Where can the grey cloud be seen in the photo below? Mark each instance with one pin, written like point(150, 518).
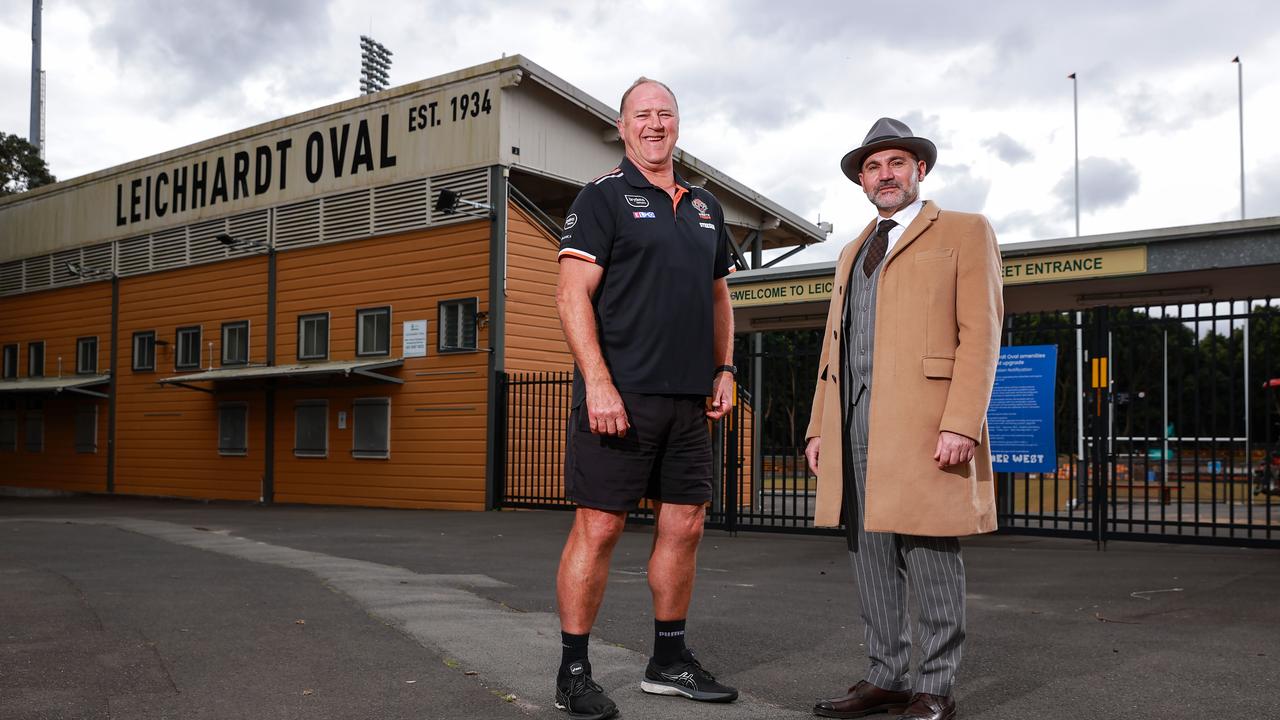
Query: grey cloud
point(1034, 224)
point(740, 93)
point(1030, 61)
point(1104, 183)
point(1148, 109)
point(180, 55)
point(926, 126)
point(1007, 149)
point(1262, 190)
point(958, 188)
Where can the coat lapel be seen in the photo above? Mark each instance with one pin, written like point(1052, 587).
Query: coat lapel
point(924, 219)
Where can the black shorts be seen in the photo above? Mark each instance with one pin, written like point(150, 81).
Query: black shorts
point(665, 455)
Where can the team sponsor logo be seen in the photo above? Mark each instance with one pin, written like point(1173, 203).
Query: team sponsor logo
point(566, 237)
point(637, 200)
point(639, 214)
point(570, 221)
point(699, 205)
point(709, 226)
point(703, 216)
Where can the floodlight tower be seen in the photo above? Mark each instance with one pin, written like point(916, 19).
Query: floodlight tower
point(36, 134)
point(375, 65)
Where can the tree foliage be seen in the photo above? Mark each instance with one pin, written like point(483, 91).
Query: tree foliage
point(21, 167)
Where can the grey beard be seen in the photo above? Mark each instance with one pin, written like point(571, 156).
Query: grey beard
point(909, 195)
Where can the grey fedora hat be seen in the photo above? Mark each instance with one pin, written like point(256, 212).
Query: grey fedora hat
point(888, 133)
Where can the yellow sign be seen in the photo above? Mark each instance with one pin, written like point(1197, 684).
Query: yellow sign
point(780, 292)
point(1017, 271)
point(1071, 266)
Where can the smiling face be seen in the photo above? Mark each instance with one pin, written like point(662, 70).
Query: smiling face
point(891, 179)
point(649, 126)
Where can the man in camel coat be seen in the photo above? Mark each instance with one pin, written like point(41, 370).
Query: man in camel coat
point(905, 460)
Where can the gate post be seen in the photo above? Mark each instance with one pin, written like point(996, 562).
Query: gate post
point(498, 459)
point(1099, 405)
point(732, 459)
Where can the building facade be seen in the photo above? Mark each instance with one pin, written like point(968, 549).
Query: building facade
point(315, 310)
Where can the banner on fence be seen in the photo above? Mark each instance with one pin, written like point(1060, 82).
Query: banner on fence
point(1020, 418)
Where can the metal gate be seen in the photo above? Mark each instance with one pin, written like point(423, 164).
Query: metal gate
point(1163, 427)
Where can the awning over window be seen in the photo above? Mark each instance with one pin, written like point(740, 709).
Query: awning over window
point(319, 372)
point(54, 385)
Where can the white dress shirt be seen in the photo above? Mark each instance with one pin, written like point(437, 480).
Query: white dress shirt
point(903, 217)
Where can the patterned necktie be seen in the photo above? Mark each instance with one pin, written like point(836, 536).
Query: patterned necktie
point(879, 245)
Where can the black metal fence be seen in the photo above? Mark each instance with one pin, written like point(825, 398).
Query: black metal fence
point(1175, 442)
point(1180, 441)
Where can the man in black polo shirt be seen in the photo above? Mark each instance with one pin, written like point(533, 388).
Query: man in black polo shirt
point(645, 310)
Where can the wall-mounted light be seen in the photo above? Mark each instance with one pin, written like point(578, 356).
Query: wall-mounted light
point(88, 273)
point(482, 319)
point(450, 202)
point(234, 242)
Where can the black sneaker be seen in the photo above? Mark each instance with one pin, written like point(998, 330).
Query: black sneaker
point(580, 696)
point(686, 677)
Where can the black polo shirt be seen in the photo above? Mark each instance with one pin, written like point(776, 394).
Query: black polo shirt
point(660, 258)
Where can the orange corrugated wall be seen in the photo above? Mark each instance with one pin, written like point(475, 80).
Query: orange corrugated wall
point(167, 437)
point(58, 317)
point(438, 416)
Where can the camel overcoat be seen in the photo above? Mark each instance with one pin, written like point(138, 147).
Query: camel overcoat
point(939, 308)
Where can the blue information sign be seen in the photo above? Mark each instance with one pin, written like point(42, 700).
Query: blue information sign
point(1020, 419)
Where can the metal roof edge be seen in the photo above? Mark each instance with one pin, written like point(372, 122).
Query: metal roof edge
point(1140, 237)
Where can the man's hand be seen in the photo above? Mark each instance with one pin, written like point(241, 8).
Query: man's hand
point(811, 452)
point(721, 396)
point(953, 449)
point(605, 410)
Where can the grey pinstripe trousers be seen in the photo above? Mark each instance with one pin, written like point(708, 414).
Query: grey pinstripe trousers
point(884, 565)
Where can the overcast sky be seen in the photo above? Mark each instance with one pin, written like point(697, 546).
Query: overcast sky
point(773, 93)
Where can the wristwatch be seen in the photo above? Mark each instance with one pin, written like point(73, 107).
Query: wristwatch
point(731, 369)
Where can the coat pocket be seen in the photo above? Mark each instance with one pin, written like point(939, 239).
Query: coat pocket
point(938, 367)
point(938, 254)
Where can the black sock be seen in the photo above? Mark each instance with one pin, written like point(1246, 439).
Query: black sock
point(572, 649)
point(668, 641)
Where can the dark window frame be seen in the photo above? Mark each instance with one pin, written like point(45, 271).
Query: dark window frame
point(10, 369)
point(231, 451)
point(177, 347)
point(311, 452)
point(144, 334)
point(80, 341)
point(34, 368)
point(361, 313)
point(234, 325)
point(367, 402)
point(302, 340)
point(442, 326)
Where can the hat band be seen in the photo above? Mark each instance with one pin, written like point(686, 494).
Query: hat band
point(886, 137)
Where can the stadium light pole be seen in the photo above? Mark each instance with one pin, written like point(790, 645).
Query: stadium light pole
point(1240, 98)
point(375, 66)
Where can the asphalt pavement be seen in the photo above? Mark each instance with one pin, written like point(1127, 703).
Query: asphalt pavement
point(116, 607)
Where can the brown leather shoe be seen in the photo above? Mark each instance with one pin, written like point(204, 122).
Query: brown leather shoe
point(863, 699)
point(930, 707)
